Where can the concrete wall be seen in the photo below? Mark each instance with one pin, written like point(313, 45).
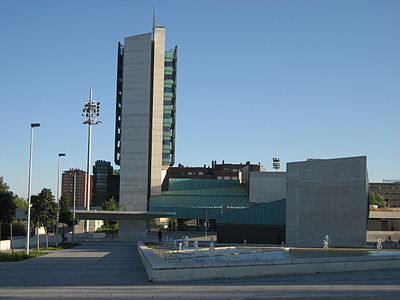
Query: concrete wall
point(158, 110)
point(135, 129)
point(159, 270)
point(19, 242)
point(327, 197)
point(267, 186)
point(373, 236)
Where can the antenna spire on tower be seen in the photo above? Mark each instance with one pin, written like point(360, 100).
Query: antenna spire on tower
point(156, 23)
point(154, 18)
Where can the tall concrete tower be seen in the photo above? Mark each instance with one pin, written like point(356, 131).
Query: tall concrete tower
point(145, 122)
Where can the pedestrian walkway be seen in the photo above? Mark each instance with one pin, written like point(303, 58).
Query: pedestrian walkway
point(110, 269)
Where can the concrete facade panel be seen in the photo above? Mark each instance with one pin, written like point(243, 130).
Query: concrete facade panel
point(158, 102)
point(267, 186)
point(327, 197)
point(135, 129)
point(132, 230)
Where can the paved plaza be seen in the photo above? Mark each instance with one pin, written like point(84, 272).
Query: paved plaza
point(110, 269)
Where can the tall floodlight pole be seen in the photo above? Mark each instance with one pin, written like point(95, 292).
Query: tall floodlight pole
point(276, 162)
point(28, 223)
point(91, 110)
point(58, 192)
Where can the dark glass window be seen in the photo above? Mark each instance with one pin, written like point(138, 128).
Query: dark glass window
point(169, 63)
point(167, 102)
point(168, 89)
point(167, 129)
point(166, 155)
point(168, 77)
point(167, 116)
point(166, 142)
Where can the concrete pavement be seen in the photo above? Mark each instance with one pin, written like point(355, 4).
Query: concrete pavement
point(110, 269)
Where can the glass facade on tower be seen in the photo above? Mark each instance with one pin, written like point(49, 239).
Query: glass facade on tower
point(168, 152)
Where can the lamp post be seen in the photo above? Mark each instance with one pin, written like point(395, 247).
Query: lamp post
point(74, 208)
point(91, 110)
point(28, 224)
point(58, 192)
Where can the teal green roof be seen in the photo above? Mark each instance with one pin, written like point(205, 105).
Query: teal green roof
point(177, 184)
point(236, 191)
point(197, 201)
point(194, 198)
point(271, 213)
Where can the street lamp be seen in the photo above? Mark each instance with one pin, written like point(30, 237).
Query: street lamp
point(74, 208)
point(58, 192)
point(28, 224)
point(91, 110)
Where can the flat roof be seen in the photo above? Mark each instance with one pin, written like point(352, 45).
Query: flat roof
point(120, 215)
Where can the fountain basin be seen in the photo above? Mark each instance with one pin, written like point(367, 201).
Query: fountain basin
point(160, 269)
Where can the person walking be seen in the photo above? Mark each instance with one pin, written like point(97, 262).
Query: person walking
point(159, 235)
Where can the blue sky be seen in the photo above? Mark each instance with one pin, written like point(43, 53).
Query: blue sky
point(305, 79)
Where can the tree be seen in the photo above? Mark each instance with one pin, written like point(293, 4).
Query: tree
point(21, 203)
point(44, 213)
point(3, 186)
point(8, 205)
point(110, 205)
point(66, 217)
point(7, 211)
point(376, 199)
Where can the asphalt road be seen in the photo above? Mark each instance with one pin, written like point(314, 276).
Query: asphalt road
point(110, 269)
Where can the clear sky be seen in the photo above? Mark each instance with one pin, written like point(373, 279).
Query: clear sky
point(306, 79)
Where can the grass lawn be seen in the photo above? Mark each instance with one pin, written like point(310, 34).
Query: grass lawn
point(20, 255)
point(66, 245)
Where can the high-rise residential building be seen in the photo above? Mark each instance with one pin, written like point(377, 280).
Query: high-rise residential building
point(113, 187)
point(102, 172)
point(105, 182)
point(145, 121)
point(74, 182)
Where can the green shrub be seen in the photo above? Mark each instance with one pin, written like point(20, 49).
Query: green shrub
point(20, 255)
point(109, 229)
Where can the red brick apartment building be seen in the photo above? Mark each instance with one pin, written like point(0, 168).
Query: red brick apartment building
point(223, 171)
point(78, 177)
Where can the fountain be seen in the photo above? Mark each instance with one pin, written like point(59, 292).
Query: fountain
point(379, 244)
point(326, 242)
point(185, 242)
point(211, 248)
point(228, 254)
point(196, 245)
point(235, 261)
